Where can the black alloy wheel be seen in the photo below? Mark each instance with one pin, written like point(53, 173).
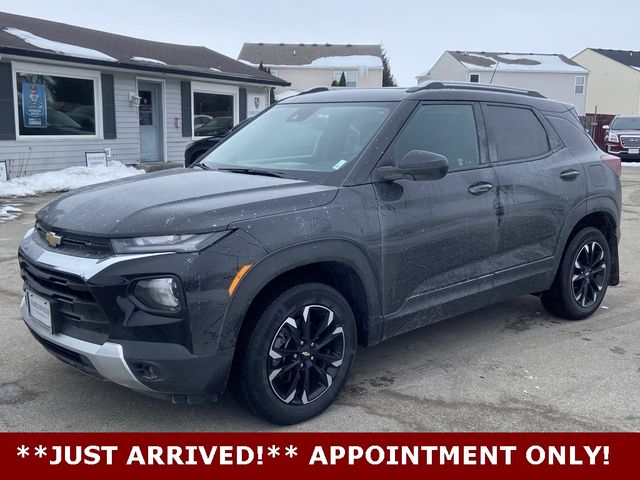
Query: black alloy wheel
point(294, 354)
point(582, 278)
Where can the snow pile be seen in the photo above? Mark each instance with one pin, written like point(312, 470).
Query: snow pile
point(148, 60)
point(58, 47)
point(63, 180)
point(9, 212)
point(349, 61)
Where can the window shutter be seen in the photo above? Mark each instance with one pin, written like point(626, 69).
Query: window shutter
point(7, 118)
point(185, 89)
point(243, 104)
point(108, 106)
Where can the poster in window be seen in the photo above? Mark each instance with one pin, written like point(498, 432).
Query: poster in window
point(255, 104)
point(34, 105)
point(145, 110)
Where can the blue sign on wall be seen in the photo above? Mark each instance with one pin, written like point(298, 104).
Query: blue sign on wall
point(34, 105)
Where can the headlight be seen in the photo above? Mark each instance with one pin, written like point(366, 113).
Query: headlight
point(613, 137)
point(167, 243)
point(158, 293)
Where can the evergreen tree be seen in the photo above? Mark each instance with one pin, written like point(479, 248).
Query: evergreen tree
point(261, 66)
point(387, 76)
point(343, 80)
point(334, 83)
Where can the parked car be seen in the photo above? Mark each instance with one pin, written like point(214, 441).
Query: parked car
point(218, 126)
point(331, 220)
point(623, 137)
point(197, 149)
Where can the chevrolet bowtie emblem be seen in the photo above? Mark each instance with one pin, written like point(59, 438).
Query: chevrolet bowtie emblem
point(53, 239)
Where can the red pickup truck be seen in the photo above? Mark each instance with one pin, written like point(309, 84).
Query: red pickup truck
point(623, 137)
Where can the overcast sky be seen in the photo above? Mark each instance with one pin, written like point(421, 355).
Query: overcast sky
point(414, 33)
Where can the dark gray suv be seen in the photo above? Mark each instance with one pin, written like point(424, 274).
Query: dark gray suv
point(332, 219)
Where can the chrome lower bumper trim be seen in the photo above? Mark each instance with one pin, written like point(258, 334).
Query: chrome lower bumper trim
point(108, 359)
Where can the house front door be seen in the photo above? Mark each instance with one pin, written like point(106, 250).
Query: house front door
point(150, 120)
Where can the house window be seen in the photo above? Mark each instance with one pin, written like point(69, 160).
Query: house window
point(212, 114)
point(56, 105)
point(579, 88)
point(351, 78)
point(474, 78)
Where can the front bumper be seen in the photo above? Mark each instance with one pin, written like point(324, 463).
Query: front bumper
point(178, 357)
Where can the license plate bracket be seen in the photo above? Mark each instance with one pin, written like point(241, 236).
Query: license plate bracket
point(40, 309)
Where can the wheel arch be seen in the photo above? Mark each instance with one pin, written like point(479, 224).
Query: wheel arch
point(339, 263)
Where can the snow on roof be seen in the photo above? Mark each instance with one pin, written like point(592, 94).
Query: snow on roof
point(348, 61)
point(58, 47)
point(148, 60)
point(66, 179)
point(517, 62)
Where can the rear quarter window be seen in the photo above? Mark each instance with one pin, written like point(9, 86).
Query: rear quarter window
point(572, 134)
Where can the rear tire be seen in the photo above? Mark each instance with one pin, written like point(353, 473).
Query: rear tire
point(293, 361)
point(583, 277)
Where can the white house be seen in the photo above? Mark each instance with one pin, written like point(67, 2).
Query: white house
point(614, 80)
point(66, 92)
point(312, 65)
point(554, 76)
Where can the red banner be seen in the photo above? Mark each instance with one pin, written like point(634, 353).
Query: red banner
point(319, 455)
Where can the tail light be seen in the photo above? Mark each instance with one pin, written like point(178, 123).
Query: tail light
point(613, 162)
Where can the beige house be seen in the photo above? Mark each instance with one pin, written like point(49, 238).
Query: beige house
point(614, 81)
point(312, 65)
point(554, 76)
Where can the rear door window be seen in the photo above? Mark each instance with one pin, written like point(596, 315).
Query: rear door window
point(517, 133)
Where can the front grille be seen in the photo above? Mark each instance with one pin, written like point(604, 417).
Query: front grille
point(74, 244)
point(75, 311)
point(630, 142)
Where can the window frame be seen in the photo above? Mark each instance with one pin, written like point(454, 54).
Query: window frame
point(471, 75)
point(581, 85)
point(493, 152)
point(481, 134)
point(215, 89)
point(57, 71)
point(337, 74)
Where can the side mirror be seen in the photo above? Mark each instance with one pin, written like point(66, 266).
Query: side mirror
point(606, 127)
point(415, 165)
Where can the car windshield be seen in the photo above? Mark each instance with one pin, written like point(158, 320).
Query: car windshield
point(626, 123)
point(318, 137)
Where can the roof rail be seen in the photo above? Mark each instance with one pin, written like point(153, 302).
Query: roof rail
point(436, 85)
point(314, 90)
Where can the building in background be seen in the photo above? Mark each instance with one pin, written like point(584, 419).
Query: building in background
point(312, 65)
point(554, 76)
point(614, 80)
point(67, 91)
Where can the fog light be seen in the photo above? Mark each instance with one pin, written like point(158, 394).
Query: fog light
point(158, 293)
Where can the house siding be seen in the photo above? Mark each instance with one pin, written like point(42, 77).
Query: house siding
point(29, 156)
point(176, 143)
point(614, 88)
point(304, 78)
point(446, 68)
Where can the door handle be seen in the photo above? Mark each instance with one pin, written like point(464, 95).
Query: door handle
point(569, 175)
point(480, 188)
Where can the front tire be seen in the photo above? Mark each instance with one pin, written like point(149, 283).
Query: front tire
point(295, 360)
point(583, 277)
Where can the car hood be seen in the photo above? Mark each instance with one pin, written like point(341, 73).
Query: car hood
point(626, 132)
point(178, 201)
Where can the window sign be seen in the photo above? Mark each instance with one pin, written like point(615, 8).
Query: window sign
point(34, 105)
point(255, 104)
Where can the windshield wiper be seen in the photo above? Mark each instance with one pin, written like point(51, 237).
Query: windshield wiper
point(203, 166)
point(253, 171)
